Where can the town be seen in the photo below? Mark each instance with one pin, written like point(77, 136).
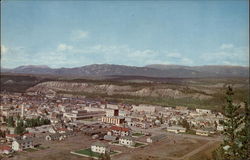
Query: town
point(33, 121)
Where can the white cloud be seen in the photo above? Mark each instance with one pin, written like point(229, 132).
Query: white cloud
point(64, 47)
point(177, 58)
point(79, 34)
point(226, 46)
point(227, 55)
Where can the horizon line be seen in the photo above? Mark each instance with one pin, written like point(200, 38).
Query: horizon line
point(47, 66)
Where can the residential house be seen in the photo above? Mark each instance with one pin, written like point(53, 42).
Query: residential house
point(155, 138)
point(55, 137)
point(119, 131)
point(12, 137)
point(127, 141)
point(5, 149)
point(220, 128)
point(19, 145)
point(100, 148)
point(109, 138)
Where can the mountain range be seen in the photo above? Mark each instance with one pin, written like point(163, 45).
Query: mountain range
point(154, 70)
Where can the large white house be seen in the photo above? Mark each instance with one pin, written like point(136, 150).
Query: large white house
point(127, 141)
point(100, 148)
point(19, 145)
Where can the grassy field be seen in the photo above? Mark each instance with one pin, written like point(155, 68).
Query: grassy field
point(90, 153)
point(137, 134)
point(137, 144)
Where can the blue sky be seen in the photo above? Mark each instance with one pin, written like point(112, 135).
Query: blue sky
point(138, 33)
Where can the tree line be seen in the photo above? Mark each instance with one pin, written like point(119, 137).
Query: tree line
point(21, 124)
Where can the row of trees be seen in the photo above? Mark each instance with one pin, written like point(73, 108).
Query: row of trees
point(33, 122)
point(236, 145)
point(22, 124)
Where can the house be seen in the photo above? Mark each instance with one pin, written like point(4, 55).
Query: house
point(28, 135)
point(155, 138)
point(119, 131)
point(55, 137)
point(52, 130)
point(176, 129)
point(21, 144)
point(100, 148)
point(220, 128)
point(5, 149)
point(62, 130)
point(109, 138)
point(127, 141)
point(203, 111)
point(12, 137)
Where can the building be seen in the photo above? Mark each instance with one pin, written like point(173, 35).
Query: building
point(176, 129)
point(82, 114)
point(112, 112)
point(109, 138)
point(100, 148)
point(202, 133)
point(127, 141)
point(19, 145)
point(114, 120)
point(155, 138)
point(12, 137)
point(144, 108)
point(119, 131)
point(55, 137)
point(220, 128)
point(203, 111)
point(5, 149)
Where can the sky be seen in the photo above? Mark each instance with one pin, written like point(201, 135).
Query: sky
point(138, 33)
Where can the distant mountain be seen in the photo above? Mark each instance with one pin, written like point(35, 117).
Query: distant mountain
point(100, 70)
point(208, 70)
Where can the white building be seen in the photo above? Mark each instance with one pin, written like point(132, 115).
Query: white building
point(176, 129)
point(203, 111)
point(144, 108)
point(119, 131)
point(100, 148)
point(155, 138)
point(220, 128)
point(127, 141)
point(19, 145)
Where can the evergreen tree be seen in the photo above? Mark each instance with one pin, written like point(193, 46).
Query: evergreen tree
point(11, 122)
point(232, 127)
point(19, 129)
point(245, 135)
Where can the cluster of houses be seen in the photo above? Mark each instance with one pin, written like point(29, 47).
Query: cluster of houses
point(109, 121)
